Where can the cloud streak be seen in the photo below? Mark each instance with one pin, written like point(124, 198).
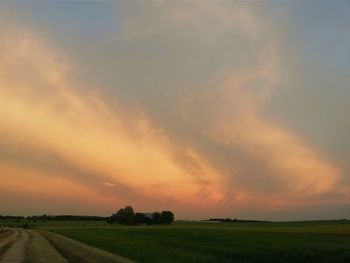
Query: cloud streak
point(182, 126)
point(41, 109)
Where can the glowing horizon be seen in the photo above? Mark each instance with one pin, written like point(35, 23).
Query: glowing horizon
point(205, 109)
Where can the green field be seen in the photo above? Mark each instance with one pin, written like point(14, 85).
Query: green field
point(323, 241)
point(317, 241)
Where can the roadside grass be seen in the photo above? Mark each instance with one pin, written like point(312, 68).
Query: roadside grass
point(78, 252)
point(217, 242)
point(39, 250)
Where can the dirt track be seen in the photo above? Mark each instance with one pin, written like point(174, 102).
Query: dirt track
point(6, 238)
point(15, 252)
point(18, 246)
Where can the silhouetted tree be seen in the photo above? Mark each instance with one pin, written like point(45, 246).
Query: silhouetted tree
point(127, 216)
point(124, 216)
point(139, 218)
point(166, 217)
point(112, 219)
point(156, 218)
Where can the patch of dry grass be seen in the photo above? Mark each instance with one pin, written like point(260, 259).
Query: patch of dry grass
point(78, 252)
point(40, 250)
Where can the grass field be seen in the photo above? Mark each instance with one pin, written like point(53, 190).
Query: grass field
point(316, 241)
point(323, 241)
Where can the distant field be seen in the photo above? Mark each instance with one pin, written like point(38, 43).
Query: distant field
point(50, 223)
point(324, 241)
point(318, 241)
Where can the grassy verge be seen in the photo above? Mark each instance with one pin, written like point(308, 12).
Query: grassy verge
point(81, 253)
point(39, 250)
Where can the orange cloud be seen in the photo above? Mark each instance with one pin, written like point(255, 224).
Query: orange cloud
point(40, 107)
point(28, 182)
point(44, 108)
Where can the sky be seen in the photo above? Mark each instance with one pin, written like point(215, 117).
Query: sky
point(207, 109)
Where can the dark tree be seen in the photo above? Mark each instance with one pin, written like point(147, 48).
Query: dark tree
point(127, 216)
point(156, 218)
point(166, 217)
point(124, 216)
point(139, 218)
point(112, 219)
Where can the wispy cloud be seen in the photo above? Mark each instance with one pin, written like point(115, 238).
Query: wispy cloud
point(42, 109)
point(108, 184)
point(183, 125)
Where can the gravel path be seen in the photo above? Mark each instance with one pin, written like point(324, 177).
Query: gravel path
point(16, 254)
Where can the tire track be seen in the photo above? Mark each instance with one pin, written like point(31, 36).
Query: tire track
point(6, 240)
point(16, 252)
point(40, 250)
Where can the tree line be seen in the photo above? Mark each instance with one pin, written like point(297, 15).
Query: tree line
point(57, 217)
point(127, 216)
point(229, 220)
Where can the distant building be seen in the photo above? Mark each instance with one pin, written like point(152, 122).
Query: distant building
point(148, 215)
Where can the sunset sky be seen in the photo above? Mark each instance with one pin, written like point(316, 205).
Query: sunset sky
point(208, 109)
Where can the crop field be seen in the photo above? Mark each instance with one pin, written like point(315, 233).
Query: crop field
point(323, 241)
point(317, 241)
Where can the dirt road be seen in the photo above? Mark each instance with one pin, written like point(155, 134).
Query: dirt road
point(15, 245)
point(7, 236)
point(18, 245)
